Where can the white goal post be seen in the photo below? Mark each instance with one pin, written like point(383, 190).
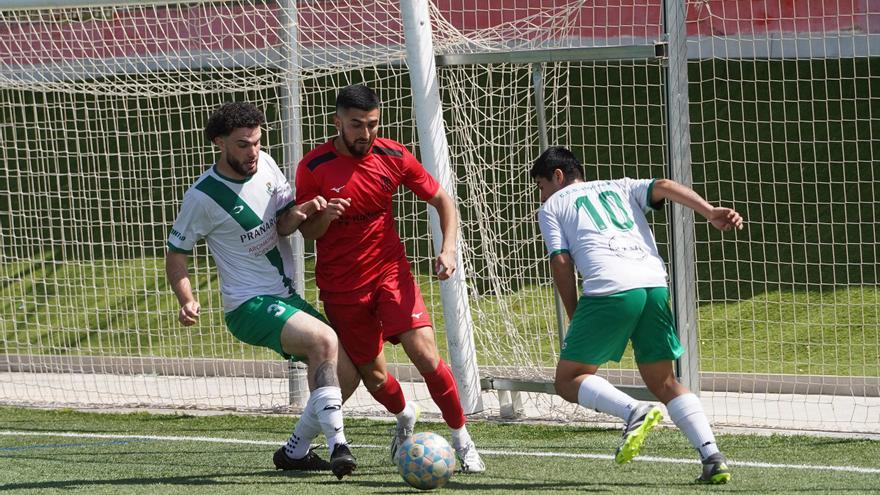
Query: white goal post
point(102, 103)
point(435, 156)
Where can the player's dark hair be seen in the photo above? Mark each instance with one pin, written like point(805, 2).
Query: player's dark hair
point(357, 96)
point(233, 115)
point(557, 157)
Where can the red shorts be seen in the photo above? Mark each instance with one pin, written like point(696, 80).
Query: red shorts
point(364, 321)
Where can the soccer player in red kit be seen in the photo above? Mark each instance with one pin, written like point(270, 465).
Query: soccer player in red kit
point(368, 290)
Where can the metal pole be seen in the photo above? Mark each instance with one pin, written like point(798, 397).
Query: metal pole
point(291, 132)
point(435, 157)
point(682, 218)
point(538, 85)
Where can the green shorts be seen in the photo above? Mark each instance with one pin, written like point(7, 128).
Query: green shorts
point(602, 325)
point(260, 319)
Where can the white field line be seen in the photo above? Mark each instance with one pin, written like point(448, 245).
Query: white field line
point(667, 460)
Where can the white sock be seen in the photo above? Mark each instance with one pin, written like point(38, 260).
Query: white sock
point(327, 404)
point(406, 417)
point(686, 411)
point(306, 429)
point(461, 437)
point(596, 393)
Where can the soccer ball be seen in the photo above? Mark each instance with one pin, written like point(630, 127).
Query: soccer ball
point(426, 461)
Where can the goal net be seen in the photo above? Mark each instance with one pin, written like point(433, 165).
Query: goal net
point(101, 116)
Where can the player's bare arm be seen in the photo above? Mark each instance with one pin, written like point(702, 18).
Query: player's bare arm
point(178, 276)
point(562, 269)
point(724, 219)
point(291, 219)
point(316, 225)
point(444, 264)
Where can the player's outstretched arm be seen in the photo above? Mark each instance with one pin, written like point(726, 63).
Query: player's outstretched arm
point(444, 264)
point(178, 277)
point(721, 218)
point(293, 217)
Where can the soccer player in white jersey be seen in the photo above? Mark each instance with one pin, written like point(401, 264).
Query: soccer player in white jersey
point(600, 228)
point(240, 206)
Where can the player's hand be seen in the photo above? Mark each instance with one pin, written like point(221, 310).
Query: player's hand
point(725, 219)
point(444, 265)
point(189, 313)
point(336, 207)
point(309, 208)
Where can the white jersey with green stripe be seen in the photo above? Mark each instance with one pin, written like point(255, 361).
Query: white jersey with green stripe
point(602, 226)
point(237, 220)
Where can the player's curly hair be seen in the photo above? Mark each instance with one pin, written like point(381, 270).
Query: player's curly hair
point(233, 115)
point(357, 96)
point(557, 157)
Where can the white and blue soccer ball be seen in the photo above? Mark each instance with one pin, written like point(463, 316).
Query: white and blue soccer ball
point(426, 461)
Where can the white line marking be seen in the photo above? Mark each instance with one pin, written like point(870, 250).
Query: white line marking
point(667, 460)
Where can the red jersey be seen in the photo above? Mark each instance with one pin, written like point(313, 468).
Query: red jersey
point(359, 245)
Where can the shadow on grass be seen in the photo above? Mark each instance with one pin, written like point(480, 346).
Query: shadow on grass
point(513, 486)
point(214, 479)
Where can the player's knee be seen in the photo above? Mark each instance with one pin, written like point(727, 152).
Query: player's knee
point(426, 360)
point(324, 344)
point(374, 379)
point(565, 374)
point(423, 354)
point(566, 388)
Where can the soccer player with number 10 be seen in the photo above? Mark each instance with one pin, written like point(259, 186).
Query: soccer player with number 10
point(600, 228)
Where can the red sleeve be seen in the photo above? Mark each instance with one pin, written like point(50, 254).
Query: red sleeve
point(306, 187)
point(417, 179)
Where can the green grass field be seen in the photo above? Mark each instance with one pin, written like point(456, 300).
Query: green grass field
point(103, 453)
